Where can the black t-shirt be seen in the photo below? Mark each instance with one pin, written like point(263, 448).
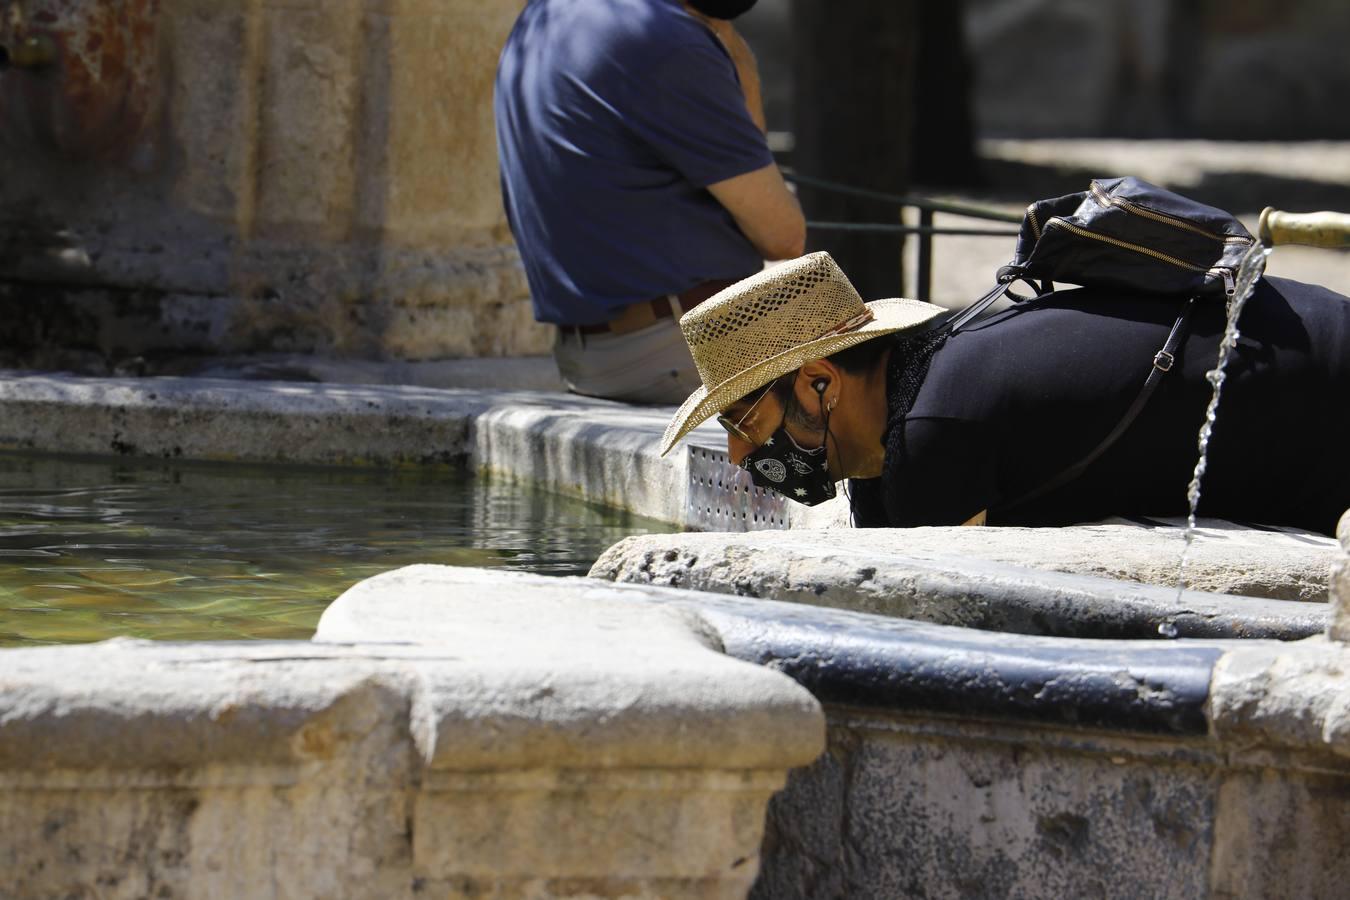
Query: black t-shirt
point(1013, 400)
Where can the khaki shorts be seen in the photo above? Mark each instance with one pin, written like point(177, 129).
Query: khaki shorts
point(650, 365)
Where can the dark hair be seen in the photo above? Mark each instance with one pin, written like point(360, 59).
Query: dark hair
point(854, 360)
point(861, 357)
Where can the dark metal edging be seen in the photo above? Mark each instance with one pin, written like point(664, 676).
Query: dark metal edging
point(899, 665)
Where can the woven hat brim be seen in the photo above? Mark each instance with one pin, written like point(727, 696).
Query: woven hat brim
point(889, 316)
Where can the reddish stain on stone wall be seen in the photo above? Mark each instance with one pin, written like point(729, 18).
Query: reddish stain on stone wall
point(102, 93)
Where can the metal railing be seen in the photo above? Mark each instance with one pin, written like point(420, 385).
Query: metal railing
point(925, 230)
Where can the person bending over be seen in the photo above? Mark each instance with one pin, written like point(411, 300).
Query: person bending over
point(814, 386)
point(637, 180)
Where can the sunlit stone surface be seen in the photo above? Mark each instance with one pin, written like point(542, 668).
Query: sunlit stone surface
point(1340, 584)
point(1113, 580)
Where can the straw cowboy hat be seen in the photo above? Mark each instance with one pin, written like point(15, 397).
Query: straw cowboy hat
point(774, 322)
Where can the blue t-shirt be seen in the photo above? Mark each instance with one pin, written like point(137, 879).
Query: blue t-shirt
point(613, 117)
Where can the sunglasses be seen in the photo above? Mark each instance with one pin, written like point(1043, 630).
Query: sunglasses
point(734, 428)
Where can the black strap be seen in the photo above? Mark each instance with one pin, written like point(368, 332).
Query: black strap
point(1007, 278)
point(957, 322)
point(1163, 361)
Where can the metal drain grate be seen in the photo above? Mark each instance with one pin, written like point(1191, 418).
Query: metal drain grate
point(723, 498)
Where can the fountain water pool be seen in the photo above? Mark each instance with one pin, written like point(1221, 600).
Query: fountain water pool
point(99, 548)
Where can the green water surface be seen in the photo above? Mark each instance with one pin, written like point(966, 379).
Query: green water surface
point(93, 549)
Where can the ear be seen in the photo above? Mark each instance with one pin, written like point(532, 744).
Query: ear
point(817, 381)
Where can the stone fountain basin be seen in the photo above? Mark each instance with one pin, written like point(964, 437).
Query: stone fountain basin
point(1113, 580)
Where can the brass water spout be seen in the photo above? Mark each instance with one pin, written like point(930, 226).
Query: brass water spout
point(31, 53)
point(1329, 230)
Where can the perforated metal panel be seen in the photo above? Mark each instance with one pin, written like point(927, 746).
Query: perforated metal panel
point(723, 498)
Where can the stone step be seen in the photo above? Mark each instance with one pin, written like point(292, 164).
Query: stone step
point(1102, 581)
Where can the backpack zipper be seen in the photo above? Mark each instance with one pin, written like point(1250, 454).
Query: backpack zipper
point(1035, 226)
point(1102, 197)
point(1147, 251)
point(1222, 271)
point(1229, 285)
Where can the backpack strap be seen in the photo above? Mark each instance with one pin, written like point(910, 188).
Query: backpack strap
point(957, 322)
point(1007, 277)
point(1163, 361)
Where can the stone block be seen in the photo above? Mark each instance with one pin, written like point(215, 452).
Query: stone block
point(474, 734)
point(458, 732)
point(309, 79)
point(132, 769)
point(1340, 584)
point(1285, 698)
point(592, 448)
point(597, 449)
point(1089, 581)
point(1285, 712)
point(1225, 558)
point(664, 697)
point(213, 107)
point(1280, 835)
point(903, 807)
point(340, 116)
point(229, 419)
point(488, 829)
point(441, 60)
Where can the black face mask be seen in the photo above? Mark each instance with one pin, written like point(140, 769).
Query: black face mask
point(722, 9)
point(781, 466)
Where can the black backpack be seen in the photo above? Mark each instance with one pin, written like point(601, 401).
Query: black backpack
point(1122, 233)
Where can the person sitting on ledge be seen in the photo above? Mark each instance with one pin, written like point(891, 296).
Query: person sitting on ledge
point(637, 180)
point(813, 386)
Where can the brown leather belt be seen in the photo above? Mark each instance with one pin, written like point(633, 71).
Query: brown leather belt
point(646, 312)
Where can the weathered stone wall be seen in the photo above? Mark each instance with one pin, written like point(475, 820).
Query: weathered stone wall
point(313, 176)
point(1039, 814)
point(1265, 69)
point(938, 806)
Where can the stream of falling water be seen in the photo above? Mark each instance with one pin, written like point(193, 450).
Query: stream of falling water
point(1252, 266)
